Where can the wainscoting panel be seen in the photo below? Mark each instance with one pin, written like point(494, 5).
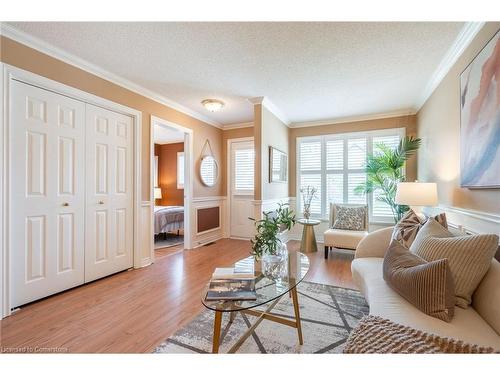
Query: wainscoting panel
point(469, 221)
point(209, 220)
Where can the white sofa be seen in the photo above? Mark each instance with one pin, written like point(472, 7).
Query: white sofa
point(479, 324)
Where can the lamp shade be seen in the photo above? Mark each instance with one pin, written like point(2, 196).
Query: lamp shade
point(157, 193)
point(417, 194)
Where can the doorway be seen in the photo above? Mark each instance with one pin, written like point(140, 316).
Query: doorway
point(171, 180)
point(240, 187)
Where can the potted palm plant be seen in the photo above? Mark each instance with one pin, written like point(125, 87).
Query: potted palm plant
point(384, 170)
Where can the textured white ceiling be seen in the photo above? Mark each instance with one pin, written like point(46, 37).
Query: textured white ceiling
point(311, 71)
point(163, 135)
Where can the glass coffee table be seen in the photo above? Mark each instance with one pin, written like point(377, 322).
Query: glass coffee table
point(269, 292)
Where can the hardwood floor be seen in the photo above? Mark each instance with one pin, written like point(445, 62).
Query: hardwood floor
point(134, 311)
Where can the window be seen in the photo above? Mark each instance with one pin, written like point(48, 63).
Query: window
point(335, 166)
point(243, 167)
point(180, 170)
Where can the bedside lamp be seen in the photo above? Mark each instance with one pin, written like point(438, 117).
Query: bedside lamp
point(416, 195)
point(157, 193)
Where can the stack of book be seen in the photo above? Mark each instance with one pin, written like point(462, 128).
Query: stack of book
point(233, 284)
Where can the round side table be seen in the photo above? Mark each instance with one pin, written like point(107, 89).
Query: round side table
point(308, 244)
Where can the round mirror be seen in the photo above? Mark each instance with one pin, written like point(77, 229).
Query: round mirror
point(209, 171)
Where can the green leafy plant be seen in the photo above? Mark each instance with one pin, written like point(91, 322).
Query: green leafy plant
point(266, 240)
point(384, 170)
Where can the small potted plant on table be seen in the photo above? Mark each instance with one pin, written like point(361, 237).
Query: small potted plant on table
point(268, 245)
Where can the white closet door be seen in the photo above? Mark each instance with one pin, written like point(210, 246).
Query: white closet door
point(47, 188)
point(109, 191)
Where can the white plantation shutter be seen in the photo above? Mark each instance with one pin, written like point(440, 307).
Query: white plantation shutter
point(180, 170)
point(356, 153)
point(392, 141)
point(313, 180)
point(335, 154)
point(244, 160)
point(382, 209)
point(354, 180)
point(310, 156)
point(335, 165)
point(334, 188)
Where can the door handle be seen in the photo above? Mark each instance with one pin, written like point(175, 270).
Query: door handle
point(101, 202)
point(65, 204)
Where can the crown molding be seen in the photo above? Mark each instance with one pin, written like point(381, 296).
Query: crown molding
point(264, 101)
point(342, 120)
point(238, 126)
point(467, 34)
point(59, 54)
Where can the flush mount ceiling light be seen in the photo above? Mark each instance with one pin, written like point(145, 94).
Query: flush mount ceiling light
point(213, 105)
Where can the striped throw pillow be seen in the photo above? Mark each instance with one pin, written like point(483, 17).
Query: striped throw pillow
point(469, 257)
point(426, 285)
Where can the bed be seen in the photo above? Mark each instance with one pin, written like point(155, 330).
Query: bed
point(168, 219)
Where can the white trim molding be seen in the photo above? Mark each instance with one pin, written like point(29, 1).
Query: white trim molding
point(238, 126)
point(266, 102)
point(464, 38)
point(343, 120)
point(59, 54)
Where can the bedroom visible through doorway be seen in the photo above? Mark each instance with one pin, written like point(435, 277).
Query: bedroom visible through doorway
point(169, 188)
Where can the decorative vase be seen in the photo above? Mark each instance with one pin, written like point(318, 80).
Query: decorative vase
point(307, 211)
point(274, 266)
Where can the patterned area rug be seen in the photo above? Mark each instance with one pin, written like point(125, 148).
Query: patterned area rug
point(328, 315)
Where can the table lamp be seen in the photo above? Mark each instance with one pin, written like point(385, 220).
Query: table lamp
point(416, 195)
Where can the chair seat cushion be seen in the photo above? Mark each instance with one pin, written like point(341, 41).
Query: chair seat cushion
point(344, 239)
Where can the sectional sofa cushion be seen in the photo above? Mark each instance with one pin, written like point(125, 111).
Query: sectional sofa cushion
point(426, 285)
point(469, 257)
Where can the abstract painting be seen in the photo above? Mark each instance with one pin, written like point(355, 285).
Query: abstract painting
point(480, 119)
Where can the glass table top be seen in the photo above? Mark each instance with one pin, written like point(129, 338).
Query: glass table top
point(267, 289)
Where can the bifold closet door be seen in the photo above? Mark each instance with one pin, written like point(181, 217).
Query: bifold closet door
point(109, 193)
point(47, 186)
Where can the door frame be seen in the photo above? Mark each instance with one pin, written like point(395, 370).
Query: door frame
point(188, 178)
point(10, 73)
point(229, 178)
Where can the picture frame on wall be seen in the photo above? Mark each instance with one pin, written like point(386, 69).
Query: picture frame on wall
point(480, 119)
point(278, 165)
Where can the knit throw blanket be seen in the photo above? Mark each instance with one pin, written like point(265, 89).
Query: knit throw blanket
point(378, 335)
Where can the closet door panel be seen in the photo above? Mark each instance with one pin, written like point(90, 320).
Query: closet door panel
point(47, 188)
point(109, 216)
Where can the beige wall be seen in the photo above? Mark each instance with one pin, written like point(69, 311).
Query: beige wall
point(439, 127)
point(274, 133)
point(408, 122)
point(231, 134)
point(26, 58)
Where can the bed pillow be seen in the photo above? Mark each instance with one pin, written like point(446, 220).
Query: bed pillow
point(469, 257)
point(426, 285)
point(349, 218)
point(407, 228)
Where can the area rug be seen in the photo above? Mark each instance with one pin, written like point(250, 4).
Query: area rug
point(328, 316)
point(169, 241)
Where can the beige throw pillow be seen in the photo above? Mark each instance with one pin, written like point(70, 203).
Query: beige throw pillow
point(349, 217)
point(469, 257)
point(407, 228)
point(426, 285)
